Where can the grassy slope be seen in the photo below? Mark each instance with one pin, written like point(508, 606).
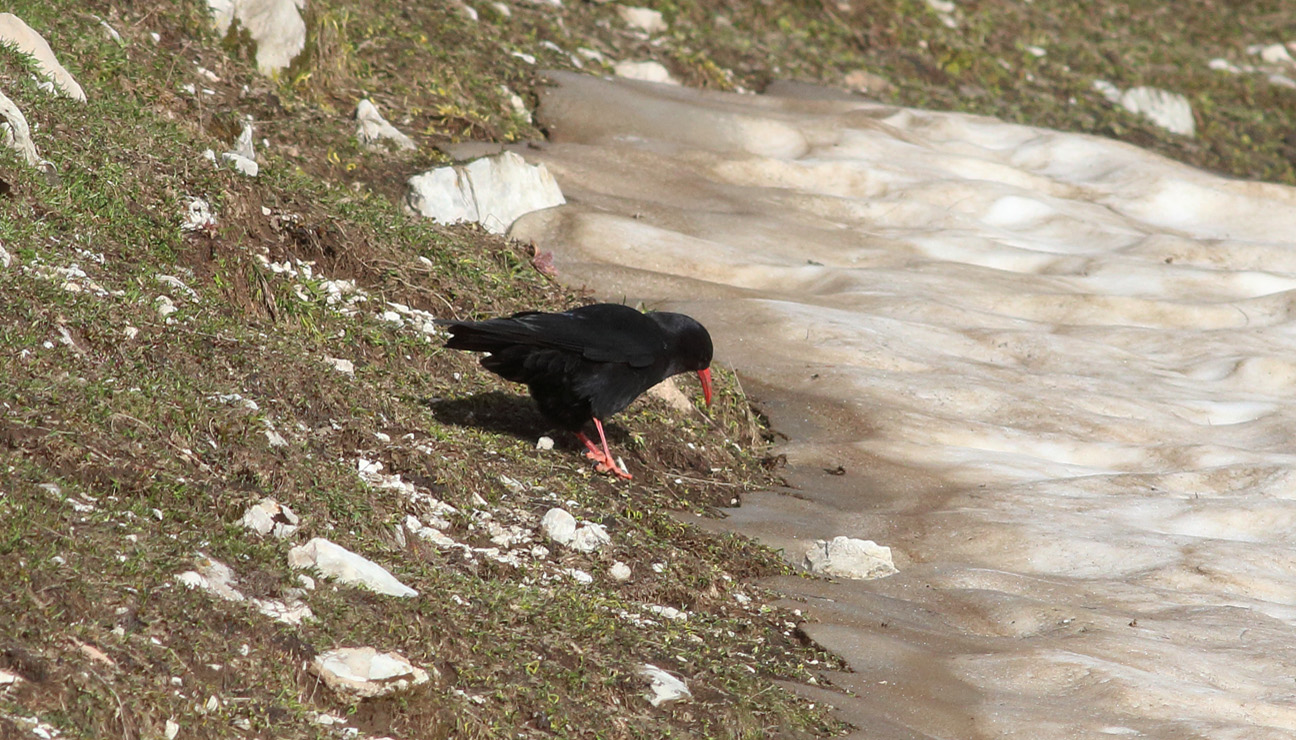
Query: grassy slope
point(94, 620)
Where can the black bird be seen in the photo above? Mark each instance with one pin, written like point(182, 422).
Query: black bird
point(589, 362)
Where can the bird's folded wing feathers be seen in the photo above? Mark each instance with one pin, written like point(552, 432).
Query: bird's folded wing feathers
point(592, 336)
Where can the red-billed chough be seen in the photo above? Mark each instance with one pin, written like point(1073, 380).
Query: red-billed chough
point(589, 362)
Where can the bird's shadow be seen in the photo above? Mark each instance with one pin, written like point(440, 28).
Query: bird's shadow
point(505, 413)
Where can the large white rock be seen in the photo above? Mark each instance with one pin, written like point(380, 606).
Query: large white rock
point(845, 557)
point(348, 567)
point(14, 32)
point(494, 191)
point(276, 27)
point(665, 688)
point(364, 673)
point(15, 132)
point(373, 130)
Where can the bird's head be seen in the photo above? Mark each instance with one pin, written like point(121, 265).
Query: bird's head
point(690, 348)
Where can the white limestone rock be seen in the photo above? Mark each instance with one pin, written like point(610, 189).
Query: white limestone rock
point(644, 19)
point(559, 526)
point(376, 133)
point(243, 158)
point(365, 673)
point(493, 191)
point(276, 27)
point(347, 567)
point(198, 216)
point(212, 576)
point(646, 72)
point(590, 537)
point(668, 392)
point(15, 133)
point(341, 365)
point(14, 32)
point(269, 516)
point(846, 557)
point(620, 572)
point(1168, 110)
point(665, 688)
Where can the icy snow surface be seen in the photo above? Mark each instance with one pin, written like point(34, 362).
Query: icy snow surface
point(1059, 372)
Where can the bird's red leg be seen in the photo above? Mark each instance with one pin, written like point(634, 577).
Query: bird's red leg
point(593, 452)
point(604, 461)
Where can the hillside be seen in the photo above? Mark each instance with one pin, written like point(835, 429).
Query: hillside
point(181, 342)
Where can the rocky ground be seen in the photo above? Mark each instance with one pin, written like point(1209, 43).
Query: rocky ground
point(237, 466)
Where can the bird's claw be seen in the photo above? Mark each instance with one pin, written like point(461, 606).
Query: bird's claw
point(607, 465)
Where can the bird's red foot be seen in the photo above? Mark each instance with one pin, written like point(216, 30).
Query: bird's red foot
point(604, 461)
point(610, 466)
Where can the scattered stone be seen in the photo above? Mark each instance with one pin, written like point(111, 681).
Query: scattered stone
point(1272, 53)
point(166, 307)
point(365, 673)
point(241, 164)
point(502, 9)
point(15, 133)
point(543, 443)
point(517, 104)
point(845, 557)
point(275, 26)
point(294, 611)
point(644, 19)
point(375, 133)
point(620, 571)
point(646, 72)
point(6, 259)
point(593, 55)
point(243, 158)
point(172, 281)
point(590, 537)
point(513, 485)
point(667, 612)
point(14, 32)
point(494, 191)
point(171, 730)
point(868, 82)
point(668, 392)
point(469, 13)
point(559, 526)
point(665, 688)
point(343, 366)
point(268, 516)
point(1166, 109)
point(198, 216)
point(581, 576)
point(7, 678)
point(528, 58)
point(348, 567)
point(212, 576)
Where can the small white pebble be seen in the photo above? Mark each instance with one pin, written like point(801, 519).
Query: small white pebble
point(545, 443)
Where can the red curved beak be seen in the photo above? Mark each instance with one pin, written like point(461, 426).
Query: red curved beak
point(706, 380)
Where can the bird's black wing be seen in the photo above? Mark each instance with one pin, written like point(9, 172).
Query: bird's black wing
point(603, 332)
